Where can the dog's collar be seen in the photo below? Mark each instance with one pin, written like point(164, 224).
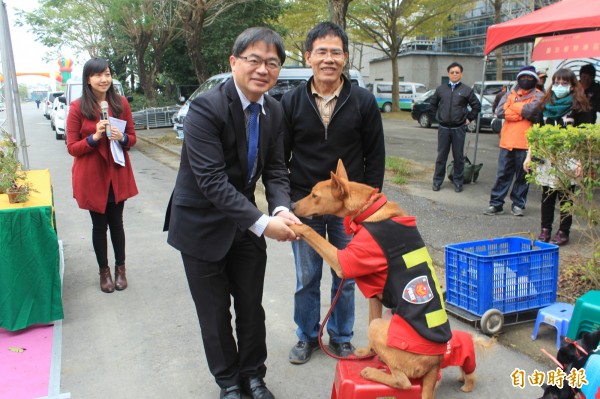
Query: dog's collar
point(373, 204)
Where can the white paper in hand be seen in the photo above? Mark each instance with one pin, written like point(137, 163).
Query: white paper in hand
point(115, 146)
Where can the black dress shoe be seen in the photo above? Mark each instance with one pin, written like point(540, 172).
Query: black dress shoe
point(458, 189)
point(232, 392)
point(257, 389)
point(435, 187)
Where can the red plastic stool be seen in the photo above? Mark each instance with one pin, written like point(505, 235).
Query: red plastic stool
point(348, 383)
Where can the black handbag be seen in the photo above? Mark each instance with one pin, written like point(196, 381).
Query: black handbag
point(470, 173)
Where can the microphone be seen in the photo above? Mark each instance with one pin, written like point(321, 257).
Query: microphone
point(104, 107)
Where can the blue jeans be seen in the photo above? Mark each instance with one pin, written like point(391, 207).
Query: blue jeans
point(309, 269)
point(510, 165)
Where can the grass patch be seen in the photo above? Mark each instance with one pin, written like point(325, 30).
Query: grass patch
point(396, 116)
point(400, 169)
point(169, 140)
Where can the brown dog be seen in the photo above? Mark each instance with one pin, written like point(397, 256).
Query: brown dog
point(412, 344)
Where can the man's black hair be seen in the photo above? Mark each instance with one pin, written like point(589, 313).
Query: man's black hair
point(454, 64)
point(325, 29)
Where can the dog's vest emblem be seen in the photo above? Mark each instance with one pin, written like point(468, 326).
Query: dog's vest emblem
point(418, 291)
point(411, 277)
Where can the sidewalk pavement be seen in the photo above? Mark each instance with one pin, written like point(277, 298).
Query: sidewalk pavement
point(145, 342)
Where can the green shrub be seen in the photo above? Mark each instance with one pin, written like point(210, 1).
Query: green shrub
point(562, 147)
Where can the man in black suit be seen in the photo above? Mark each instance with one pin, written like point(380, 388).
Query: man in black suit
point(214, 220)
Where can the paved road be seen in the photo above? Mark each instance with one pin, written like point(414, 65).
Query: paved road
point(145, 342)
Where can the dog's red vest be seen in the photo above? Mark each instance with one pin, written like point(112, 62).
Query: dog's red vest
point(411, 289)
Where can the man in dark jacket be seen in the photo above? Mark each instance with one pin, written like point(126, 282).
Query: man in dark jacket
point(449, 104)
point(328, 119)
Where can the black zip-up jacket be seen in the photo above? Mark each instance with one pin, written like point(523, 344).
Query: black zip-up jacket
point(450, 106)
point(354, 135)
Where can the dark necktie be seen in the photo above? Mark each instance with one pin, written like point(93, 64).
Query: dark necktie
point(252, 137)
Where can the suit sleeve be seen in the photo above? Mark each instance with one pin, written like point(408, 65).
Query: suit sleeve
point(275, 176)
point(204, 124)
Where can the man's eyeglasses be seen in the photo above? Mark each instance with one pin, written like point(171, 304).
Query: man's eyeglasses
point(322, 53)
point(255, 61)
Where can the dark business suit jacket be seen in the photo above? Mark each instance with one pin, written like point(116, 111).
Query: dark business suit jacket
point(212, 199)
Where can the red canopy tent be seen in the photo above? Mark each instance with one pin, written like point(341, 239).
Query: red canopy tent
point(562, 18)
point(566, 16)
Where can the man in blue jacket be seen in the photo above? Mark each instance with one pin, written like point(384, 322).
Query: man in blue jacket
point(328, 119)
point(449, 104)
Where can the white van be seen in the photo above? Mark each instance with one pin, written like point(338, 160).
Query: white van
point(407, 92)
point(288, 79)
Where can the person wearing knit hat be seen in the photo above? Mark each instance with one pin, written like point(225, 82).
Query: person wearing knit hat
point(528, 70)
point(519, 109)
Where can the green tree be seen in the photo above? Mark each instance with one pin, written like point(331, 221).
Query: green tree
point(220, 35)
point(150, 27)
point(299, 17)
point(195, 15)
point(386, 23)
point(77, 24)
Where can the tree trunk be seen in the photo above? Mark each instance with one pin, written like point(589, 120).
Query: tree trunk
point(395, 86)
point(193, 43)
point(337, 12)
point(498, 54)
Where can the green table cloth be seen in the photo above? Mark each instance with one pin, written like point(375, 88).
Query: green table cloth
point(30, 286)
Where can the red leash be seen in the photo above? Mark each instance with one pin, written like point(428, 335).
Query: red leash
point(324, 323)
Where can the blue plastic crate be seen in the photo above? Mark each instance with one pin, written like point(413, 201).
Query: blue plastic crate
point(501, 273)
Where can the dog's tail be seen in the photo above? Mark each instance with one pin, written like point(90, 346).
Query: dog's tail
point(482, 345)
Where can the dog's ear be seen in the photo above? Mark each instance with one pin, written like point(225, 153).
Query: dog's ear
point(341, 170)
point(339, 187)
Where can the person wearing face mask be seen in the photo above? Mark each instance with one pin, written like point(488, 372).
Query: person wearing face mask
point(519, 108)
point(564, 104)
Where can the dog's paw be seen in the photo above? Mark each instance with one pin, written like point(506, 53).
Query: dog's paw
point(360, 352)
point(299, 229)
point(466, 388)
point(368, 372)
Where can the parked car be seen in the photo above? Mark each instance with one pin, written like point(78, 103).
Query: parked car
point(421, 113)
point(288, 79)
point(53, 110)
point(60, 116)
point(407, 92)
point(48, 101)
point(491, 88)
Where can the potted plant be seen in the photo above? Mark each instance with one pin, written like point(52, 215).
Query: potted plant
point(12, 177)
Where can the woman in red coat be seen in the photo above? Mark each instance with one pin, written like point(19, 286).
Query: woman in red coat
point(100, 184)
